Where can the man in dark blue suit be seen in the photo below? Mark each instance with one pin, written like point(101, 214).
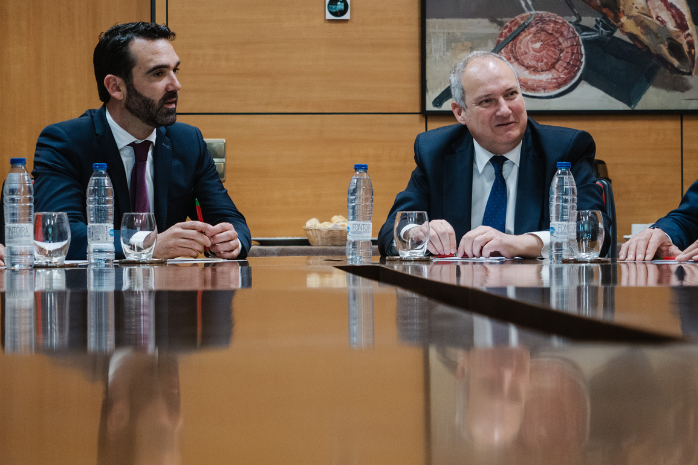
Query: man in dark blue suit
point(155, 164)
point(485, 182)
point(669, 236)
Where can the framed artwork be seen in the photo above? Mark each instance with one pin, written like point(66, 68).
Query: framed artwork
point(570, 55)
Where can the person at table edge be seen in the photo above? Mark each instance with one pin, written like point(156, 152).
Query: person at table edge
point(136, 70)
point(455, 178)
point(675, 235)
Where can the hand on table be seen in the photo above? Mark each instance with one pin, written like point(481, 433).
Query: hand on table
point(691, 253)
point(647, 245)
point(442, 238)
point(224, 241)
point(183, 240)
point(487, 242)
point(2, 255)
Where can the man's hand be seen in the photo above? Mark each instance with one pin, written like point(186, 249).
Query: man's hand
point(648, 244)
point(691, 253)
point(487, 242)
point(183, 240)
point(2, 255)
point(224, 241)
point(442, 238)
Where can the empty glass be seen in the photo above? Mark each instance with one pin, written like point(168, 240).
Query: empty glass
point(51, 238)
point(411, 234)
point(590, 234)
point(139, 233)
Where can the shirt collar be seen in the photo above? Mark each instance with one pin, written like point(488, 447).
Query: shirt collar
point(122, 137)
point(482, 156)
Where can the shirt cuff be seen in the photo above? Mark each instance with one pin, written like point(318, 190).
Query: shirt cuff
point(545, 237)
point(405, 229)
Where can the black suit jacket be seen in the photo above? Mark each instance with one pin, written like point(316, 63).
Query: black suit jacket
point(183, 171)
point(441, 184)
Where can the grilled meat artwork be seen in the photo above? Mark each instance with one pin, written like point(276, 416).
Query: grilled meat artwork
point(548, 55)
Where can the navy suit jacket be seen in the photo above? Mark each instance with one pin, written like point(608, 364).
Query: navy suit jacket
point(441, 184)
point(682, 224)
point(183, 171)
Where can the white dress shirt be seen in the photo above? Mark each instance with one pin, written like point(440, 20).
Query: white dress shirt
point(483, 179)
point(128, 157)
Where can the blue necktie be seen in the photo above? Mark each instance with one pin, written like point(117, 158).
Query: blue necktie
point(496, 209)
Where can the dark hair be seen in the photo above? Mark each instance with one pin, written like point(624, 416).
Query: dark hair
point(113, 56)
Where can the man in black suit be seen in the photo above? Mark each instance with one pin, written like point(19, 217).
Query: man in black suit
point(155, 164)
point(485, 182)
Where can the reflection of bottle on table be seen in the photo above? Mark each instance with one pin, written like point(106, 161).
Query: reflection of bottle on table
point(360, 311)
point(19, 311)
point(100, 309)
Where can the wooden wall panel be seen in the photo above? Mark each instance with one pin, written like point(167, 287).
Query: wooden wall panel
point(46, 51)
point(285, 170)
point(270, 56)
point(643, 154)
point(690, 151)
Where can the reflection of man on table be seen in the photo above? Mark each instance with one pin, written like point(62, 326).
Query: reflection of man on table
point(485, 182)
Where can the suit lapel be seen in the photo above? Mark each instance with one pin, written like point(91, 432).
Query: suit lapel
point(531, 188)
point(109, 154)
point(458, 184)
point(162, 161)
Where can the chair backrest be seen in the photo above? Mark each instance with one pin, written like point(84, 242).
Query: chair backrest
point(610, 204)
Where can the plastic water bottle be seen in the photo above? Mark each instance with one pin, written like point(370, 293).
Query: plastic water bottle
point(359, 215)
point(19, 216)
point(100, 218)
point(563, 213)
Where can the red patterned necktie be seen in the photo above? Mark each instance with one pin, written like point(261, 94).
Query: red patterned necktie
point(139, 189)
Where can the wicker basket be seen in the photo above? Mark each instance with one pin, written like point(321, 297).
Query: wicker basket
point(326, 236)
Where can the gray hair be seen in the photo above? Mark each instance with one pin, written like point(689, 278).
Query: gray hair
point(457, 90)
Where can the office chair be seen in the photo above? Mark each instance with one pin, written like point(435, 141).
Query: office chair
point(603, 181)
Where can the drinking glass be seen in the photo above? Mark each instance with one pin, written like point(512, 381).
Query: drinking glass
point(411, 234)
point(51, 238)
point(139, 233)
point(590, 234)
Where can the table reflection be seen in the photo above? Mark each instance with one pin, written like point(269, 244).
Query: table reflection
point(47, 310)
point(140, 419)
point(539, 399)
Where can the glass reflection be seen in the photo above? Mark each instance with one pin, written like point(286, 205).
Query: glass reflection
point(139, 307)
point(52, 301)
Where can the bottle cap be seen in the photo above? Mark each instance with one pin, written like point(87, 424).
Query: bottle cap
point(99, 166)
point(18, 161)
point(360, 166)
point(564, 165)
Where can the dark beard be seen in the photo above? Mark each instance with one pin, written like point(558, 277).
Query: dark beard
point(147, 110)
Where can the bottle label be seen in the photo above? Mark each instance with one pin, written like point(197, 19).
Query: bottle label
point(100, 233)
point(558, 231)
point(359, 230)
point(19, 234)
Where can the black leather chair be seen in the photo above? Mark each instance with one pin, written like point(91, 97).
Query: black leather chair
point(602, 179)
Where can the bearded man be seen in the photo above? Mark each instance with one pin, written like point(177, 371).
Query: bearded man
point(155, 164)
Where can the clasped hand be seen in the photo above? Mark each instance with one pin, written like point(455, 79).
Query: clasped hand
point(482, 241)
point(190, 238)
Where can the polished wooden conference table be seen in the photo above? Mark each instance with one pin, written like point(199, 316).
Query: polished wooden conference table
point(309, 360)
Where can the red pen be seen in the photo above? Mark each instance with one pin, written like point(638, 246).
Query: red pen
point(446, 256)
point(668, 258)
point(207, 252)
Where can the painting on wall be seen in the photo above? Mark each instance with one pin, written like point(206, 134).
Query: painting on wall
point(570, 55)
